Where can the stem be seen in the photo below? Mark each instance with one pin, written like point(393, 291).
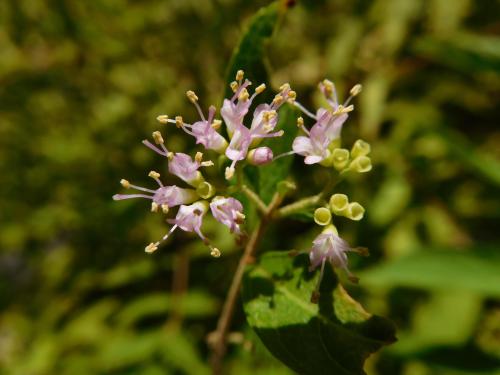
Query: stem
point(261, 206)
point(295, 207)
point(220, 335)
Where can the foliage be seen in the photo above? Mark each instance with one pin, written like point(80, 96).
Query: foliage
point(81, 82)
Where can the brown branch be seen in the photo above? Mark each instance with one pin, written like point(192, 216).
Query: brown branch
point(219, 337)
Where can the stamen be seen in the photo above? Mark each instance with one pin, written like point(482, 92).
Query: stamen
point(162, 119)
point(259, 89)
point(234, 86)
point(292, 95)
point(285, 87)
point(165, 208)
point(179, 122)
point(198, 157)
point(152, 247)
point(119, 197)
point(208, 163)
point(315, 295)
point(239, 75)
point(214, 252)
point(148, 144)
point(156, 176)
point(125, 183)
point(356, 89)
point(284, 154)
point(243, 95)
point(303, 109)
point(363, 251)
point(154, 207)
point(278, 99)
point(191, 96)
point(158, 138)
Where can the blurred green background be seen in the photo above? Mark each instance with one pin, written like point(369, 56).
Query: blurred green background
point(81, 83)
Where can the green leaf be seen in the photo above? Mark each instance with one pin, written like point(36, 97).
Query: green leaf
point(270, 175)
point(249, 54)
point(334, 336)
point(474, 270)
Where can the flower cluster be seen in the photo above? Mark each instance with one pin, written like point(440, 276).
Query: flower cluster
point(320, 145)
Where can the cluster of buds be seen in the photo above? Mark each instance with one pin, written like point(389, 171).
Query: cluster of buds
point(320, 145)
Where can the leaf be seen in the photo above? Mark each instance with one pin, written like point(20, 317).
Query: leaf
point(249, 54)
point(474, 270)
point(270, 175)
point(334, 336)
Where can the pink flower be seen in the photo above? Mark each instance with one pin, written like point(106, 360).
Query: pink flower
point(164, 196)
point(234, 110)
point(327, 127)
point(228, 211)
point(184, 167)
point(189, 219)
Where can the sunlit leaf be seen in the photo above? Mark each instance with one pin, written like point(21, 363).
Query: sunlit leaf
point(334, 336)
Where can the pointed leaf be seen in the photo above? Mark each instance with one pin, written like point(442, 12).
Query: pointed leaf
point(334, 336)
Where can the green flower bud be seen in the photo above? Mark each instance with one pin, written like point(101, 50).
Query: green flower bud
point(355, 211)
point(339, 204)
point(361, 164)
point(322, 216)
point(360, 148)
point(340, 158)
point(205, 190)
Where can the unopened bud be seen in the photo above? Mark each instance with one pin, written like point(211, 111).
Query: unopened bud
point(205, 190)
point(260, 156)
point(355, 211)
point(340, 158)
point(322, 216)
point(339, 203)
point(360, 148)
point(361, 164)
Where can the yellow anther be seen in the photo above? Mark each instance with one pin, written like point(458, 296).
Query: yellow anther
point(239, 75)
point(215, 252)
point(152, 247)
point(234, 86)
point(348, 109)
point(198, 157)
point(285, 86)
point(243, 96)
point(216, 124)
point(208, 163)
point(278, 99)
point(179, 122)
point(292, 95)
point(154, 174)
point(240, 217)
point(300, 122)
point(269, 115)
point(125, 183)
point(165, 208)
point(260, 88)
point(191, 96)
point(229, 173)
point(158, 138)
point(328, 87)
point(170, 155)
point(154, 207)
point(356, 89)
point(163, 119)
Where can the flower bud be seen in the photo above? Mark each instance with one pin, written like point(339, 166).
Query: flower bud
point(205, 190)
point(260, 156)
point(355, 211)
point(360, 148)
point(322, 216)
point(340, 158)
point(361, 164)
point(339, 204)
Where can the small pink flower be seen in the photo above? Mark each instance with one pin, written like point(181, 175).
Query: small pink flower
point(314, 146)
point(184, 167)
point(228, 211)
point(189, 218)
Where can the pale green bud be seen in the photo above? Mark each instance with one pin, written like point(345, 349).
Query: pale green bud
point(355, 211)
point(340, 158)
point(322, 216)
point(330, 229)
point(361, 164)
point(339, 204)
point(360, 148)
point(205, 190)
